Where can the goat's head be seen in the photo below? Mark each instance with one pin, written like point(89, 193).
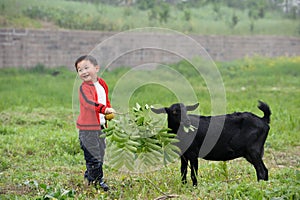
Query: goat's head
point(177, 113)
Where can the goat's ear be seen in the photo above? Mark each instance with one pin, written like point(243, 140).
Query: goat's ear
point(159, 110)
point(192, 107)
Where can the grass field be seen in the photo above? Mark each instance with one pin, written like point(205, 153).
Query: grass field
point(87, 16)
point(41, 158)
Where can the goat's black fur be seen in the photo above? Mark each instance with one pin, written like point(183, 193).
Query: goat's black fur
point(240, 134)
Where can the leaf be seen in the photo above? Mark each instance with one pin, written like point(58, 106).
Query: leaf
point(154, 146)
point(68, 193)
point(151, 140)
point(133, 143)
point(104, 135)
point(135, 137)
point(129, 165)
point(43, 186)
point(137, 107)
point(118, 139)
point(164, 131)
point(116, 158)
point(131, 148)
point(147, 159)
point(185, 129)
point(170, 141)
point(171, 153)
point(140, 121)
point(167, 158)
point(118, 164)
point(116, 152)
point(109, 129)
point(174, 148)
point(157, 153)
point(49, 196)
point(147, 107)
point(192, 128)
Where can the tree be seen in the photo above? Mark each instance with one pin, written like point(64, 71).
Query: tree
point(160, 11)
point(256, 11)
point(234, 21)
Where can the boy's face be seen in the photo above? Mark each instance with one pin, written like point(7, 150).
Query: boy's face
point(87, 71)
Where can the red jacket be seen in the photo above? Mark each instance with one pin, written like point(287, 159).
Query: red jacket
point(88, 118)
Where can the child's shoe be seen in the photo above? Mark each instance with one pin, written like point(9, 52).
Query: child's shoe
point(103, 185)
point(86, 177)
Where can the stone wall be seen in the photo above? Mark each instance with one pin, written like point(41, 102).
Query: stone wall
point(27, 48)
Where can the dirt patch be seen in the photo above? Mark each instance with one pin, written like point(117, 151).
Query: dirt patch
point(16, 190)
point(286, 158)
point(48, 25)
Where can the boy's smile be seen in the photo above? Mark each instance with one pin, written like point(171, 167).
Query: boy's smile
point(87, 71)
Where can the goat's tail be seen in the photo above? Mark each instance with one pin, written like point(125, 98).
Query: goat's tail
point(266, 109)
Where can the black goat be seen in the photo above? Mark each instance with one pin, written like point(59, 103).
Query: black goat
point(240, 134)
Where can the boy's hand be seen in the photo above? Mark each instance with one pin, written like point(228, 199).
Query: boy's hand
point(109, 110)
point(109, 113)
point(109, 116)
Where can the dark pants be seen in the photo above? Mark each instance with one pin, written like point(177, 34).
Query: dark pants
point(94, 149)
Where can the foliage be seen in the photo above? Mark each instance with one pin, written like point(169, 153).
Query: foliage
point(199, 17)
point(48, 192)
point(35, 89)
point(139, 143)
point(146, 5)
point(187, 14)
point(234, 21)
point(161, 12)
point(68, 18)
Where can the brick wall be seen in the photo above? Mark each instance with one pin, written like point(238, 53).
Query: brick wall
point(27, 48)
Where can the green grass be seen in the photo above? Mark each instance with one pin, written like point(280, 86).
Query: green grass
point(87, 16)
point(36, 88)
point(40, 153)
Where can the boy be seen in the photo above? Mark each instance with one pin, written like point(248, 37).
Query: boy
point(94, 102)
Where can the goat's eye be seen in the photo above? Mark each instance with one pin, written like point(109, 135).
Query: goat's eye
point(174, 112)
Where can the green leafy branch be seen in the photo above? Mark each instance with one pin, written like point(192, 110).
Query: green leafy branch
point(139, 142)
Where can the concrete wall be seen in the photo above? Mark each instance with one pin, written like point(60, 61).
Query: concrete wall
point(27, 48)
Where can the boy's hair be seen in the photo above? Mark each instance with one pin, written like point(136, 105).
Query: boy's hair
point(86, 57)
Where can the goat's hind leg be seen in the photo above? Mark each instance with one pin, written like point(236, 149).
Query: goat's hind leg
point(183, 169)
point(261, 171)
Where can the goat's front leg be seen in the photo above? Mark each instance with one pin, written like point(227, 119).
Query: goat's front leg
point(184, 164)
point(194, 170)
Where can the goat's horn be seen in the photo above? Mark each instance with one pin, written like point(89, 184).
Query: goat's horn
point(158, 110)
point(192, 107)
